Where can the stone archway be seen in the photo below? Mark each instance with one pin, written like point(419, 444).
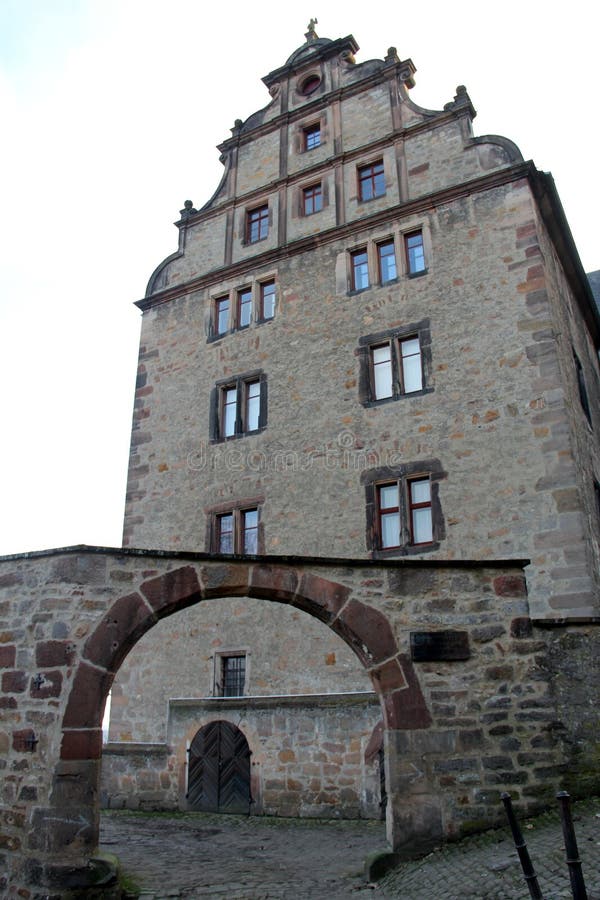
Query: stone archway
point(72, 615)
point(365, 629)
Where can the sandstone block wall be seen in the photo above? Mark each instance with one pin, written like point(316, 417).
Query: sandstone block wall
point(491, 418)
point(311, 756)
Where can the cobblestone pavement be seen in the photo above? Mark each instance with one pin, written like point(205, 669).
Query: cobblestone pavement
point(233, 857)
point(229, 858)
point(487, 867)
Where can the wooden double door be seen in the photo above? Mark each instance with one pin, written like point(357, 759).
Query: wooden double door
point(219, 770)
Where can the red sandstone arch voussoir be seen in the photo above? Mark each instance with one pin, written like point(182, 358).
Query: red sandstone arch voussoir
point(120, 628)
point(321, 598)
point(404, 706)
point(367, 631)
point(172, 591)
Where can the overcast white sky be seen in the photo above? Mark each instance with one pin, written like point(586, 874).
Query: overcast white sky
point(111, 110)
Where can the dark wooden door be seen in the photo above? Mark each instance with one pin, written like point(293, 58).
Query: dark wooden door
point(219, 770)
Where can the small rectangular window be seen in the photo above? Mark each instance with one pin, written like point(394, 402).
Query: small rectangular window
point(244, 308)
point(388, 513)
point(419, 502)
point(229, 416)
point(415, 252)
point(386, 255)
point(236, 532)
point(252, 405)
point(225, 533)
point(257, 224)
point(412, 370)
point(233, 675)
point(312, 137)
point(267, 300)
point(239, 407)
point(221, 315)
point(395, 368)
point(371, 181)
point(312, 199)
point(382, 371)
point(360, 270)
point(250, 531)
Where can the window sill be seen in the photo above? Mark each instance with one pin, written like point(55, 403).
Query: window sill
point(213, 338)
point(236, 437)
point(417, 274)
point(369, 403)
point(370, 199)
point(355, 291)
point(406, 550)
point(257, 241)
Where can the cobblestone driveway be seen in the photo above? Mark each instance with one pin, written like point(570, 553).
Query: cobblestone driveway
point(231, 857)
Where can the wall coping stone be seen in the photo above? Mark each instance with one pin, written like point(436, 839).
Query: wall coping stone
point(327, 561)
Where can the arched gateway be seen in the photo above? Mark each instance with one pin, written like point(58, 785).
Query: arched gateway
point(91, 605)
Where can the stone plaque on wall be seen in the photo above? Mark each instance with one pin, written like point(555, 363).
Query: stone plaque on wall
point(431, 646)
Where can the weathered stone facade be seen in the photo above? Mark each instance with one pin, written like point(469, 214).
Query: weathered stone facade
point(506, 331)
point(502, 298)
point(465, 658)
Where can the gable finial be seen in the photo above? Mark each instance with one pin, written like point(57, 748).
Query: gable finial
point(311, 34)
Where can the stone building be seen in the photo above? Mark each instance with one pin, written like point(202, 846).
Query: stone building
point(375, 341)
point(363, 509)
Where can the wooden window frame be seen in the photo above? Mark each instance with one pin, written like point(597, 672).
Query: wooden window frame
point(223, 299)
point(240, 386)
point(354, 255)
point(240, 304)
point(371, 181)
point(395, 338)
point(402, 477)
point(416, 232)
point(258, 216)
point(313, 194)
point(307, 134)
point(405, 523)
point(390, 242)
point(413, 506)
point(237, 509)
point(263, 285)
point(238, 530)
point(388, 510)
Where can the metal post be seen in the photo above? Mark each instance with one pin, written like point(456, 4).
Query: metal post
point(526, 865)
point(574, 863)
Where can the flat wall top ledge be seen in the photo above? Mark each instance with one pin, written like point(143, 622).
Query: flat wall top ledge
point(125, 552)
